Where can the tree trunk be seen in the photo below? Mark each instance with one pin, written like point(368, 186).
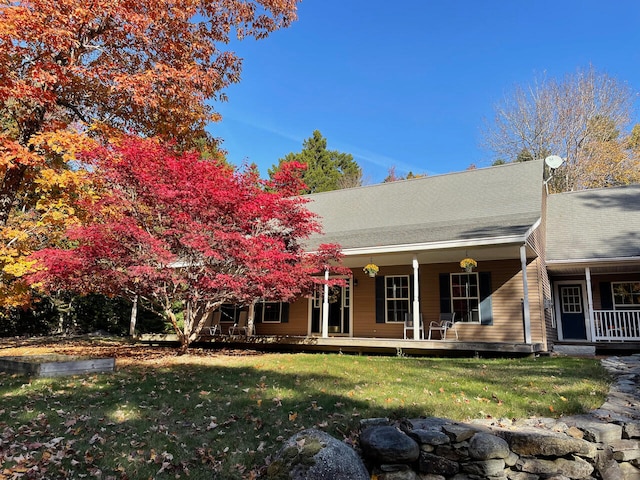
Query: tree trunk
point(9, 191)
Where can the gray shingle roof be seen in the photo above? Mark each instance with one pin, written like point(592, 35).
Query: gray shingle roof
point(471, 205)
point(594, 224)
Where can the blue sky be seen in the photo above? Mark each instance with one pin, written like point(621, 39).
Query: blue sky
point(411, 83)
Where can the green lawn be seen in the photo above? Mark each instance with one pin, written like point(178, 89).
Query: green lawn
point(220, 415)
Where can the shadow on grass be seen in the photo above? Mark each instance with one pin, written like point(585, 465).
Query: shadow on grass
point(225, 420)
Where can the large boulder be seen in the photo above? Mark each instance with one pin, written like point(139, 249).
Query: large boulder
point(316, 454)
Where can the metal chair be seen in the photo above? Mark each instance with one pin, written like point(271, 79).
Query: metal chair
point(408, 325)
point(446, 323)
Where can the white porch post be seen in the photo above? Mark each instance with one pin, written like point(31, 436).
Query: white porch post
point(592, 325)
point(416, 300)
point(525, 292)
point(251, 319)
point(325, 306)
point(134, 316)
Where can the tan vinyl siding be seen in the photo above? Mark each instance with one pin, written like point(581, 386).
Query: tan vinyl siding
point(506, 282)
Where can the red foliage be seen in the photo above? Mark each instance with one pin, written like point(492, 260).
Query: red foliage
point(174, 227)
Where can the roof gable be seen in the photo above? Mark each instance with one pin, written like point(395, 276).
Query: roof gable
point(471, 205)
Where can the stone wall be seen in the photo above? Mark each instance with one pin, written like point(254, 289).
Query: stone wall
point(578, 447)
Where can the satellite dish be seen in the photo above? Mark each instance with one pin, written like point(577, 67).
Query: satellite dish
point(553, 161)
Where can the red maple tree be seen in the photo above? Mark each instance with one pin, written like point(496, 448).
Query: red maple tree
point(172, 227)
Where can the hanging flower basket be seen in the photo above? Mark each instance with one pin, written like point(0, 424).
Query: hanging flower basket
point(371, 269)
point(468, 264)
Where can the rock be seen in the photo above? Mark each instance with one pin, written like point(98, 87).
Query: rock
point(629, 472)
point(575, 432)
point(625, 450)
point(316, 454)
point(521, 476)
point(595, 430)
point(394, 472)
point(484, 446)
point(631, 430)
point(373, 422)
point(430, 463)
point(484, 468)
point(429, 423)
point(575, 468)
point(511, 459)
point(450, 452)
point(388, 445)
point(429, 437)
point(459, 432)
point(534, 442)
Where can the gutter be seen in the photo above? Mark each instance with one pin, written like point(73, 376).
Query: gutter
point(413, 247)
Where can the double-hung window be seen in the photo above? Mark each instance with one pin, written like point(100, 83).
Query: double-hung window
point(626, 295)
point(397, 293)
point(465, 297)
point(270, 312)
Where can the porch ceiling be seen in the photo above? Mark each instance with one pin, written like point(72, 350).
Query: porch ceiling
point(435, 255)
point(602, 267)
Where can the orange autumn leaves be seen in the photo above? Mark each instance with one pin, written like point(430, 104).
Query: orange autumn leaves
point(70, 73)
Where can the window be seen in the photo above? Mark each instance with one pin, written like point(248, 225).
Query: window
point(465, 297)
point(270, 312)
point(626, 295)
point(397, 298)
point(230, 313)
point(571, 299)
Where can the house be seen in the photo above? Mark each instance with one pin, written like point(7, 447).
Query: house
point(593, 260)
point(551, 269)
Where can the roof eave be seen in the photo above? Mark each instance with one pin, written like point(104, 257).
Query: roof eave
point(415, 247)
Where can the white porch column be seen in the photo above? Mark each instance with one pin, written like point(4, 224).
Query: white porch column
point(134, 317)
point(416, 300)
point(592, 325)
point(525, 295)
point(251, 319)
point(325, 306)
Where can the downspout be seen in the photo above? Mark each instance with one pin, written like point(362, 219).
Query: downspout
point(525, 292)
point(592, 325)
point(416, 300)
point(325, 306)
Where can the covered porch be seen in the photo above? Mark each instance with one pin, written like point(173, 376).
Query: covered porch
point(608, 294)
point(355, 345)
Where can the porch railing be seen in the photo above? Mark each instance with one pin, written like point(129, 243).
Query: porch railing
point(617, 325)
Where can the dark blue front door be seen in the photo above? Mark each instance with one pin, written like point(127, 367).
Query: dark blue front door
point(572, 312)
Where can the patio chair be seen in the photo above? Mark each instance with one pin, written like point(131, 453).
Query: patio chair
point(446, 323)
point(408, 325)
point(240, 327)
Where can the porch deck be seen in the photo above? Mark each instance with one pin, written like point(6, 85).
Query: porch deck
point(360, 345)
